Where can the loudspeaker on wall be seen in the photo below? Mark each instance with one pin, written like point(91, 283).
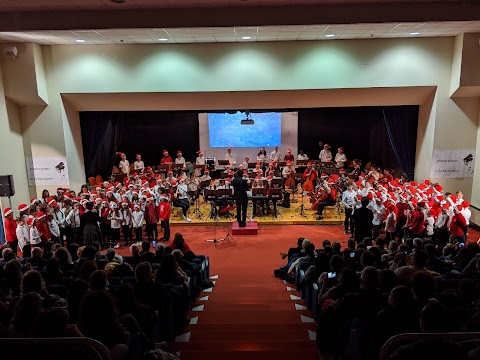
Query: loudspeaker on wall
point(7, 189)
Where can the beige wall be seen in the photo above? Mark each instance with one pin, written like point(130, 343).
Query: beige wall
point(345, 67)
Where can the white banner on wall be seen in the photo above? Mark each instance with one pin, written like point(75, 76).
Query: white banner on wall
point(47, 171)
point(453, 163)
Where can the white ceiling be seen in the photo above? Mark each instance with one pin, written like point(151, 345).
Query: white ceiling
point(235, 34)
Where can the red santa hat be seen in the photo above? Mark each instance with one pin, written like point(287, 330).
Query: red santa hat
point(342, 171)
point(413, 183)
point(130, 185)
point(76, 199)
point(54, 204)
point(326, 145)
point(60, 190)
point(199, 152)
point(269, 178)
point(124, 202)
point(437, 188)
point(7, 212)
point(120, 154)
point(452, 199)
point(446, 206)
point(257, 164)
point(104, 201)
point(67, 196)
point(324, 175)
point(22, 207)
point(173, 182)
point(207, 171)
point(427, 182)
point(40, 215)
point(34, 201)
point(422, 187)
point(98, 188)
point(459, 207)
point(98, 200)
point(165, 152)
point(30, 220)
point(179, 152)
point(340, 148)
point(137, 156)
point(50, 200)
point(439, 198)
point(136, 206)
point(289, 162)
point(465, 204)
point(309, 163)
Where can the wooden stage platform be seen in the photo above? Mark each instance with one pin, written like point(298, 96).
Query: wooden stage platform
point(287, 216)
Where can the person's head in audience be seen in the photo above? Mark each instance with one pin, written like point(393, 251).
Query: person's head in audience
point(346, 253)
point(305, 242)
point(178, 241)
point(349, 280)
point(377, 254)
point(52, 267)
point(97, 281)
point(126, 301)
point(430, 251)
point(419, 259)
point(367, 241)
point(328, 250)
point(309, 249)
point(322, 262)
point(98, 314)
point(388, 280)
point(392, 247)
point(55, 247)
point(423, 286)
point(89, 253)
point(351, 244)
point(380, 242)
point(178, 255)
point(63, 256)
point(47, 246)
point(73, 250)
point(337, 263)
point(167, 270)
point(362, 245)
point(8, 254)
point(417, 244)
point(12, 271)
point(358, 256)
point(37, 253)
point(409, 242)
point(51, 323)
point(367, 259)
point(87, 269)
point(168, 250)
point(32, 281)
point(143, 272)
point(401, 298)
point(337, 247)
point(370, 279)
point(325, 243)
point(80, 252)
point(434, 318)
point(464, 256)
point(299, 242)
point(77, 289)
point(27, 310)
point(145, 246)
point(134, 250)
point(365, 201)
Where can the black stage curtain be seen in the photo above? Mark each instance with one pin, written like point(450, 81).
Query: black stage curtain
point(136, 132)
point(386, 136)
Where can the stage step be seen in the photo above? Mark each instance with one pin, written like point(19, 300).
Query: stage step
point(250, 229)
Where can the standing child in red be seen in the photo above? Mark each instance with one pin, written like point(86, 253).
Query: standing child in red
point(458, 225)
point(42, 227)
point(165, 210)
point(10, 229)
point(151, 219)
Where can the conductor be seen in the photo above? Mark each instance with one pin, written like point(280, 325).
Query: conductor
point(240, 187)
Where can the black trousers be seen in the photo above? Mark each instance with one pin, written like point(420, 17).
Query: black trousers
point(138, 233)
point(152, 231)
point(13, 245)
point(166, 229)
point(115, 235)
point(348, 223)
point(127, 233)
point(27, 251)
point(242, 212)
point(182, 203)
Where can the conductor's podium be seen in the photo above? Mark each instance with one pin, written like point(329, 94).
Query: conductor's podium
point(250, 229)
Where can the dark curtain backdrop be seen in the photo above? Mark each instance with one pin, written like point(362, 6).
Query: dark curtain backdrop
point(143, 132)
point(385, 136)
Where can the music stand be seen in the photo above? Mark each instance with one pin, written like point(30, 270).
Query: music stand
point(302, 162)
point(223, 162)
point(275, 194)
point(277, 182)
point(281, 164)
point(252, 165)
point(259, 192)
point(164, 167)
point(301, 207)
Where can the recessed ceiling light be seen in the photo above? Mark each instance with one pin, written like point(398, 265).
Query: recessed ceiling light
point(246, 37)
point(163, 39)
point(80, 40)
point(414, 33)
point(329, 35)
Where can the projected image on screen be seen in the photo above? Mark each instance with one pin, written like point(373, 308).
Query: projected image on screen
point(225, 130)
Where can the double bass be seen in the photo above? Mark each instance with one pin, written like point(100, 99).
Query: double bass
point(308, 185)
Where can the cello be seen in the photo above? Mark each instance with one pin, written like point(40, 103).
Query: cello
point(308, 185)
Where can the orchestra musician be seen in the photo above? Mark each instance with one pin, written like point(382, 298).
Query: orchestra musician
point(230, 156)
point(275, 154)
point(138, 165)
point(262, 155)
point(309, 177)
point(245, 163)
point(373, 174)
point(340, 158)
point(258, 170)
point(166, 159)
point(287, 173)
point(181, 199)
point(206, 176)
point(200, 160)
point(180, 159)
point(356, 171)
point(329, 198)
point(258, 204)
point(289, 156)
point(302, 156)
point(325, 154)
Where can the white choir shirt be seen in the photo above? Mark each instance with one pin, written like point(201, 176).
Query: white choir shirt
point(442, 221)
point(73, 218)
point(466, 214)
point(429, 221)
point(59, 217)
point(325, 155)
point(275, 156)
point(231, 158)
point(127, 216)
point(115, 220)
point(348, 198)
point(35, 237)
point(245, 165)
point(23, 235)
point(340, 159)
point(302, 157)
point(137, 219)
point(182, 191)
point(139, 165)
point(391, 222)
point(200, 160)
point(124, 166)
point(261, 157)
point(378, 214)
point(180, 160)
point(287, 170)
point(53, 227)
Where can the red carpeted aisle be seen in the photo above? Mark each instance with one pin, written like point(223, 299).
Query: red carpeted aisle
point(250, 314)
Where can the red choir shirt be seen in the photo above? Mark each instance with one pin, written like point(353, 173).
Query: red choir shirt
point(417, 225)
point(289, 157)
point(165, 210)
point(42, 228)
point(151, 216)
point(104, 215)
point(166, 160)
point(457, 225)
point(401, 213)
point(10, 229)
point(185, 247)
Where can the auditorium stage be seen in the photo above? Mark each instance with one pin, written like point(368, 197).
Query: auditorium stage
point(287, 216)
